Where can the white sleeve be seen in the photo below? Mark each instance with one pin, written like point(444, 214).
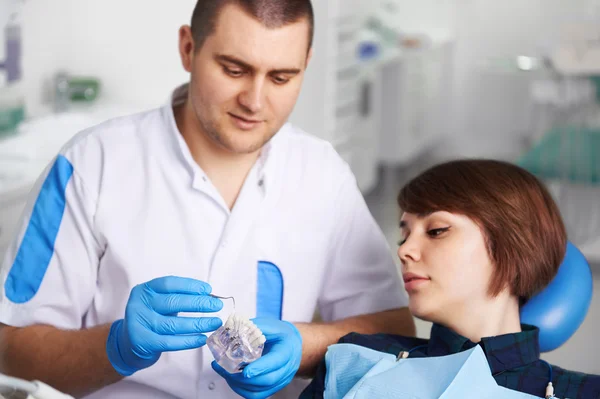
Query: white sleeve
point(48, 275)
point(362, 277)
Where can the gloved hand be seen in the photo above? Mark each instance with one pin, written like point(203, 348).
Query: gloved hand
point(151, 325)
point(277, 366)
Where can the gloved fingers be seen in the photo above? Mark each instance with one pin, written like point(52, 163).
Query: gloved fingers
point(172, 343)
point(276, 357)
point(255, 384)
point(179, 285)
point(262, 382)
point(174, 303)
point(172, 325)
point(237, 379)
point(271, 328)
point(276, 330)
point(220, 370)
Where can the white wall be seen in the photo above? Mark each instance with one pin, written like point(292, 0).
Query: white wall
point(435, 17)
point(130, 45)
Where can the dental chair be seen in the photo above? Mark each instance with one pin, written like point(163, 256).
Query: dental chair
point(560, 308)
point(557, 311)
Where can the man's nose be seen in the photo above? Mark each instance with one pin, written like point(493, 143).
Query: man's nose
point(253, 97)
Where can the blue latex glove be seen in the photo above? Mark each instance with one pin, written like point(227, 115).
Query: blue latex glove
point(151, 325)
point(277, 366)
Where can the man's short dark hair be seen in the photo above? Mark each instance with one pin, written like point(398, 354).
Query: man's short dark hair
point(271, 13)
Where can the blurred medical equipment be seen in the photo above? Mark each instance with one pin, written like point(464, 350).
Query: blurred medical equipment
point(237, 343)
point(563, 137)
point(414, 74)
point(415, 94)
point(566, 151)
point(330, 102)
point(371, 90)
point(225, 297)
point(578, 53)
point(70, 89)
point(15, 388)
point(12, 102)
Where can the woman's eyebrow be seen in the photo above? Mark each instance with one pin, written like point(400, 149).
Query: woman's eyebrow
point(419, 216)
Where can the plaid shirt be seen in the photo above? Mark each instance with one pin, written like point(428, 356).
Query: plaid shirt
point(514, 360)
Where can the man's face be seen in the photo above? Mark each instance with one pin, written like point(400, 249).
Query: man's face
point(245, 78)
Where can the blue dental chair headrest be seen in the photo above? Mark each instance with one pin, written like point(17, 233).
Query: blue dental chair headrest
point(561, 307)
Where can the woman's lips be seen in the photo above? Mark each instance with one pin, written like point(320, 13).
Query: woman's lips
point(413, 281)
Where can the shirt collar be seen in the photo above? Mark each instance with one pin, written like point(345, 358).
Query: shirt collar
point(503, 352)
point(263, 164)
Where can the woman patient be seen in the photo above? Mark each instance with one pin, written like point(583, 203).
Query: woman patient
point(478, 239)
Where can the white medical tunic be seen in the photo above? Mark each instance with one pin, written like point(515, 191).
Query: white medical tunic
point(124, 203)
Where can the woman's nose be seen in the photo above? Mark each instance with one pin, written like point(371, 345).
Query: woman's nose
point(409, 251)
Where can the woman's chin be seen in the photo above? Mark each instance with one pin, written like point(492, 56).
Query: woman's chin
point(421, 311)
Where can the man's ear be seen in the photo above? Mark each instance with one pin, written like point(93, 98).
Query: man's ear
point(186, 47)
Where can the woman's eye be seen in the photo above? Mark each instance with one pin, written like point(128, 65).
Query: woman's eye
point(437, 232)
point(402, 241)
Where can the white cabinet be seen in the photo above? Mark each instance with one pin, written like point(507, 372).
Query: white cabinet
point(330, 103)
point(367, 139)
point(415, 88)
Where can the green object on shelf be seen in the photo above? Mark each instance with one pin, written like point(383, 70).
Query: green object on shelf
point(569, 153)
point(10, 118)
point(83, 89)
point(596, 80)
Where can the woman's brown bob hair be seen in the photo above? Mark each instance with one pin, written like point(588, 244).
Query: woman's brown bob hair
point(521, 223)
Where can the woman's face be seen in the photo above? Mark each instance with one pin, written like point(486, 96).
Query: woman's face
point(445, 265)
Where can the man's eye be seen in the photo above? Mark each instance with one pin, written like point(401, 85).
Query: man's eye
point(233, 72)
point(437, 232)
point(280, 80)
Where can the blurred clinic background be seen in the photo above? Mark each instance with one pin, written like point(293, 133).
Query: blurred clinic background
point(395, 85)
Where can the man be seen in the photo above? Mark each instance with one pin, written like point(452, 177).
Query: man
point(140, 219)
